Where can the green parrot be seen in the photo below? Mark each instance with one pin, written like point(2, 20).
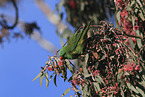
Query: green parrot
point(75, 45)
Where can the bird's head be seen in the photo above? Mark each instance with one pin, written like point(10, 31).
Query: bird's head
point(62, 53)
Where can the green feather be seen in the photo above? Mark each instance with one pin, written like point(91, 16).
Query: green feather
point(75, 45)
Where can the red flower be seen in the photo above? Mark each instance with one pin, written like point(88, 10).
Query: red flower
point(123, 14)
point(133, 64)
point(83, 82)
point(96, 72)
point(120, 3)
point(117, 51)
point(72, 3)
point(136, 27)
point(60, 63)
point(134, 40)
point(119, 70)
point(127, 27)
point(49, 68)
point(137, 67)
point(130, 68)
point(74, 81)
point(132, 33)
point(115, 93)
point(73, 88)
point(119, 23)
point(125, 68)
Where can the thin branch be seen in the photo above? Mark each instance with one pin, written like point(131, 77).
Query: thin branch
point(43, 42)
point(36, 36)
point(135, 36)
point(53, 18)
point(16, 17)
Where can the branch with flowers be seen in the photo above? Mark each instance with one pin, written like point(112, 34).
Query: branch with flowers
point(113, 61)
point(110, 66)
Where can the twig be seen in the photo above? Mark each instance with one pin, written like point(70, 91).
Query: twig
point(51, 16)
point(16, 17)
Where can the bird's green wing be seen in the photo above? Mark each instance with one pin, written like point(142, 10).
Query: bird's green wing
point(75, 44)
point(77, 39)
point(71, 45)
point(82, 41)
point(73, 41)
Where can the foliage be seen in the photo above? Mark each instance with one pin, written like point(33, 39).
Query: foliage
point(109, 67)
point(7, 27)
point(113, 60)
point(113, 63)
point(82, 11)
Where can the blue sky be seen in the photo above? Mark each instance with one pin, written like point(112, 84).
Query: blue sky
point(21, 59)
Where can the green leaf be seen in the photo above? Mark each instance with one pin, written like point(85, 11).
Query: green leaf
point(84, 66)
point(76, 90)
point(139, 40)
point(141, 92)
point(55, 80)
point(37, 76)
point(47, 81)
point(41, 79)
point(45, 76)
point(131, 87)
point(61, 4)
point(87, 75)
point(50, 77)
point(142, 16)
point(132, 95)
point(66, 91)
point(128, 8)
point(140, 4)
point(139, 43)
point(69, 66)
point(100, 79)
point(82, 6)
point(85, 91)
point(119, 75)
point(126, 73)
point(131, 43)
point(117, 17)
point(142, 83)
point(122, 93)
point(143, 76)
point(133, 20)
point(132, 3)
point(97, 87)
point(70, 78)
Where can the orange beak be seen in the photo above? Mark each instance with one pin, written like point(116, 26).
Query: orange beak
point(61, 58)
